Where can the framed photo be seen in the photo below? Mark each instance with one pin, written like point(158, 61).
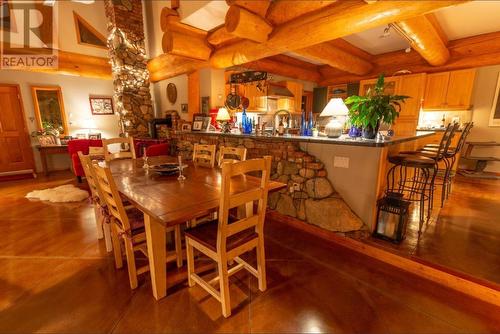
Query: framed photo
point(81, 136)
point(94, 136)
point(46, 140)
point(186, 127)
point(495, 108)
point(101, 105)
point(197, 125)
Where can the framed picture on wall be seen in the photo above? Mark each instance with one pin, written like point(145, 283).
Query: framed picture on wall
point(94, 136)
point(495, 108)
point(101, 105)
point(184, 108)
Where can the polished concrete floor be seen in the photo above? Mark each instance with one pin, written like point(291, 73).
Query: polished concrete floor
point(55, 277)
point(464, 235)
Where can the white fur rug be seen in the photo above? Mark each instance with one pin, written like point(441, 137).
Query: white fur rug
point(61, 194)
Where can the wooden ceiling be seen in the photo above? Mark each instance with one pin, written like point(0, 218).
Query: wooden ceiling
point(256, 34)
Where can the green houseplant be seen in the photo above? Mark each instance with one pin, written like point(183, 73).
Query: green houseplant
point(375, 107)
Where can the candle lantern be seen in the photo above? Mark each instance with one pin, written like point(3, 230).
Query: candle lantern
point(392, 218)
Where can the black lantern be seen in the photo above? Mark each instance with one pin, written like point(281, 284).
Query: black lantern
point(392, 218)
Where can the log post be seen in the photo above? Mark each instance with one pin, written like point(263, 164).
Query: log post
point(180, 44)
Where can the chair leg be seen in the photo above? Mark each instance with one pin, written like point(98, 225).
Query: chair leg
point(190, 262)
point(98, 221)
point(224, 287)
point(261, 264)
point(132, 272)
point(107, 237)
point(117, 250)
point(178, 245)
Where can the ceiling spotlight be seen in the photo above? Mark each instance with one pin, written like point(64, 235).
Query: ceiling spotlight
point(408, 49)
point(386, 33)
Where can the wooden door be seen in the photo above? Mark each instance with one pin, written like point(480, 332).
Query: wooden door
point(436, 89)
point(460, 89)
point(16, 153)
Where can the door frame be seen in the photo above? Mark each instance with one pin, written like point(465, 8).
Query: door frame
point(23, 114)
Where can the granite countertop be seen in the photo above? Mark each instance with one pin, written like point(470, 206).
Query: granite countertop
point(343, 140)
point(423, 128)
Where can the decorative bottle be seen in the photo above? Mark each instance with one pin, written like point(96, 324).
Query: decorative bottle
point(310, 124)
point(303, 130)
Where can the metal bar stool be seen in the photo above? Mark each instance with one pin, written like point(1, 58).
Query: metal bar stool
point(413, 174)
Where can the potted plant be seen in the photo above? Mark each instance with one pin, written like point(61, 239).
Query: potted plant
point(375, 107)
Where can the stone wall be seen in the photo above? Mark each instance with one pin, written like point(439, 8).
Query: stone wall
point(129, 65)
point(309, 196)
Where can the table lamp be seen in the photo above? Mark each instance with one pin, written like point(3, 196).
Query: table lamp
point(223, 118)
point(335, 107)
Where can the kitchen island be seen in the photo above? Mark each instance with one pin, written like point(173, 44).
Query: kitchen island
point(333, 183)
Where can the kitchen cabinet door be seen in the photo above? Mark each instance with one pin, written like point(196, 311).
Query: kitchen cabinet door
point(460, 89)
point(413, 86)
point(296, 88)
point(436, 89)
point(391, 85)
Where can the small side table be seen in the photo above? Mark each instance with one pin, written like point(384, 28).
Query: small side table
point(50, 150)
point(481, 162)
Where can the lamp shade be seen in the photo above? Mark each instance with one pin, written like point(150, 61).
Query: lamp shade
point(223, 115)
point(335, 107)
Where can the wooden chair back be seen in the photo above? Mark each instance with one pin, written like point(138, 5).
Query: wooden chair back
point(463, 136)
point(237, 152)
point(111, 196)
point(90, 176)
point(204, 155)
point(127, 153)
point(448, 134)
point(250, 195)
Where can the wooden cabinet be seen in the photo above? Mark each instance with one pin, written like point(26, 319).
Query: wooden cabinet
point(257, 98)
point(449, 90)
point(296, 88)
point(307, 102)
point(410, 85)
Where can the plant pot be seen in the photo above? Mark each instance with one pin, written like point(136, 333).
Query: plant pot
point(369, 132)
point(354, 132)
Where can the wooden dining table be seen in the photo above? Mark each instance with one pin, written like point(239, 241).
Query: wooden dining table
point(166, 201)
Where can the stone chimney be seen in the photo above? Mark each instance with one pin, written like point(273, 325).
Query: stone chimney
point(128, 60)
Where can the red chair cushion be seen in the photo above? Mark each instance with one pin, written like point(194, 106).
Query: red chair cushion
point(81, 145)
point(141, 143)
point(157, 149)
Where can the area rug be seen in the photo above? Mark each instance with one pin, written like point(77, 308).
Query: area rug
point(61, 194)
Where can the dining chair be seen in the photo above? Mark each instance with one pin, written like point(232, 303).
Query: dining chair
point(103, 230)
point(204, 155)
point(126, 143)
point(223, 240)
point(231, 154)
point(129, 225)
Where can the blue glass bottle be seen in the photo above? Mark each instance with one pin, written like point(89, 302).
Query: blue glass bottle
point(310, 125)
point(244, 121)
point(303, 130)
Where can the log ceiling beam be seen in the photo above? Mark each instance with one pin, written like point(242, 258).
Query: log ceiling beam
point(259, 7)
point(282, 11)
point(470, 52)
point(168, 66)
point(286, 66)
point(245, 24)
point(336, 57)
point(425, 38)
point(220, 36)
point(331, 22)
point(76, 64)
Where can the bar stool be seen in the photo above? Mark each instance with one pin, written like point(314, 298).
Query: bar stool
point(412, 175)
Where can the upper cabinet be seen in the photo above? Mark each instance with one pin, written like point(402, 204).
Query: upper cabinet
point(412, 85)
point(296, 88)
point(449, 90)
point(257, 97)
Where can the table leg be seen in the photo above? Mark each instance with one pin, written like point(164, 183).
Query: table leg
point(43, 157)
point(156, 241)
